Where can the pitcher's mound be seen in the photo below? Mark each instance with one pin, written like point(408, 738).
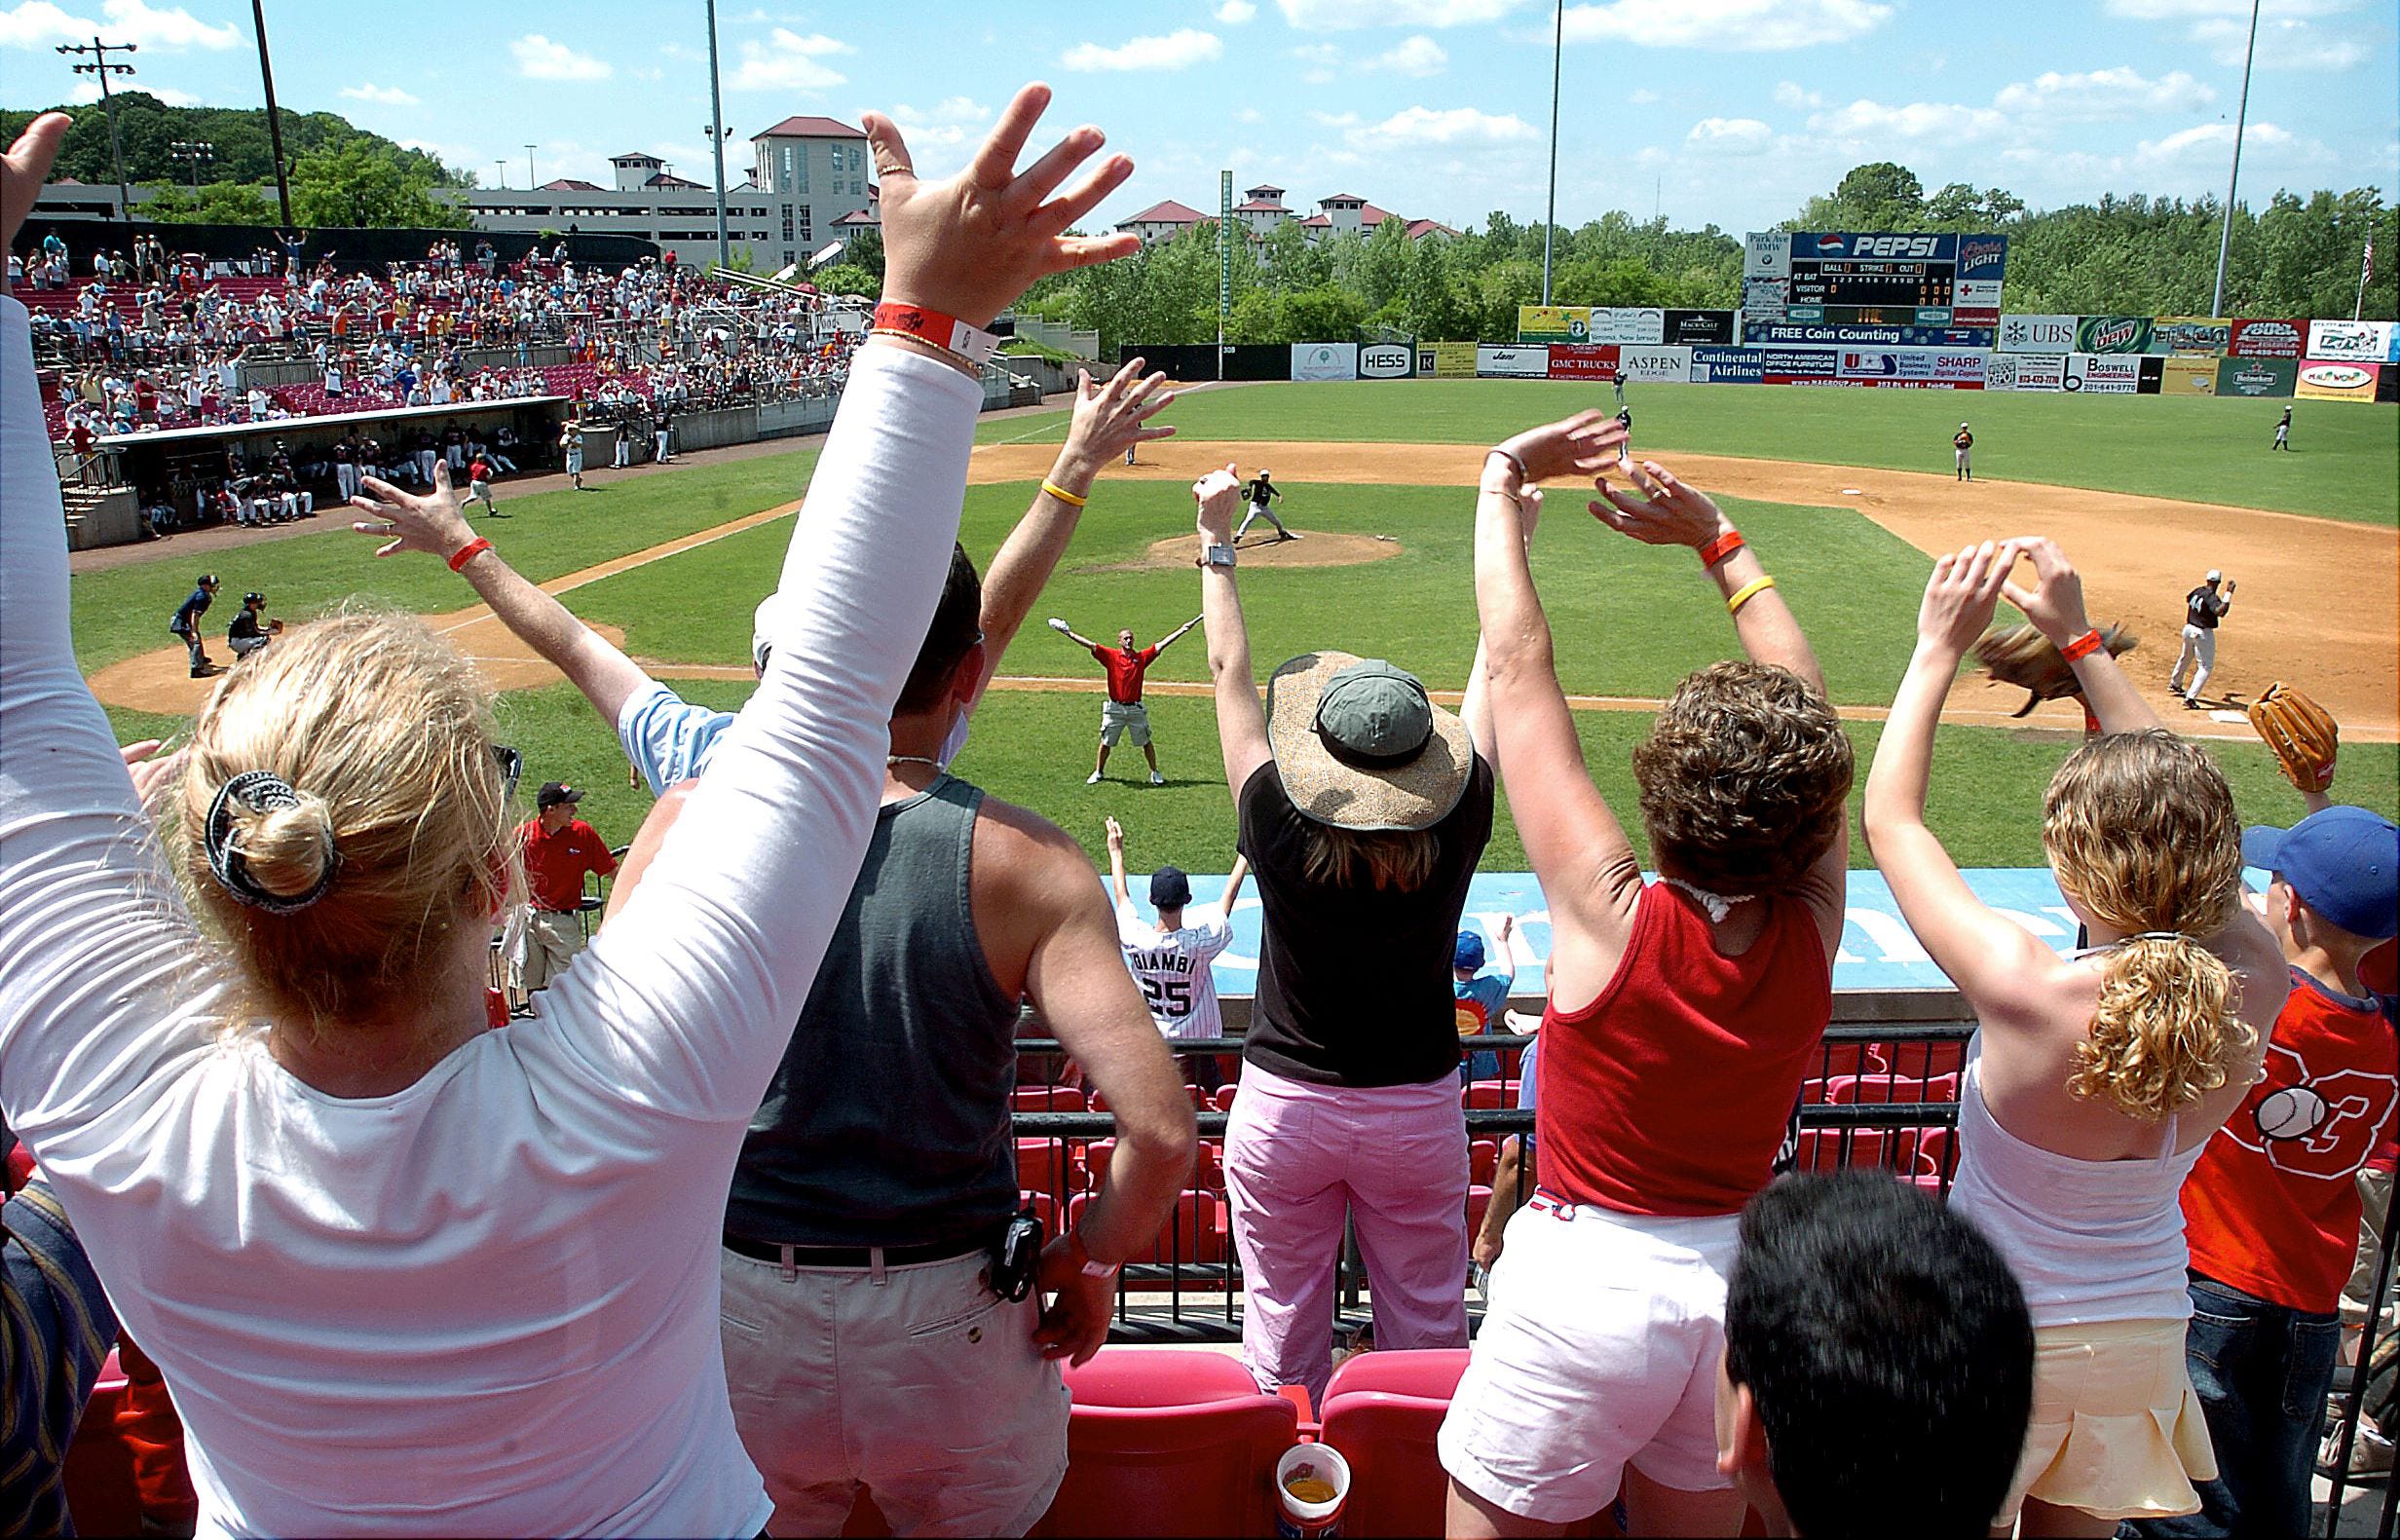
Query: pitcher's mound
point(1314, 548)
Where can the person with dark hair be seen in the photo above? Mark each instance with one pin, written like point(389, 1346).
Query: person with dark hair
point(1879, 1363)
point(1170, 960)
point(1592, 1373)
point(252, 630)
point(186, 623)
point(1364, 810)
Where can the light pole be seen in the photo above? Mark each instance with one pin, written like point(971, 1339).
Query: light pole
point(716, 139)
point(529, 167)
point(502, 164)
point(1549, 213)
point(274, 120)
point(2225, 237)
point(197, 153)
point(101, 68)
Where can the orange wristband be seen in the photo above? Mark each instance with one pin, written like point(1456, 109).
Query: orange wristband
point(2081, 648)
point(1722, 547)
point(468, 553)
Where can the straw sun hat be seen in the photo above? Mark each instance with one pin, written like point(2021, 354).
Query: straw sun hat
point(1360, 745)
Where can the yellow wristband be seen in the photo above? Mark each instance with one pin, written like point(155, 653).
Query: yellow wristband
point(1061, 494)
point(1746, 593)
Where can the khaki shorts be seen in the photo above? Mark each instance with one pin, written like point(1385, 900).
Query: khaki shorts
point(548, 942)
point(2117, 1429)
point(1126, 719)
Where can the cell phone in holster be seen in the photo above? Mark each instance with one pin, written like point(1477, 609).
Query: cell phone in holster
point(1016, 1257)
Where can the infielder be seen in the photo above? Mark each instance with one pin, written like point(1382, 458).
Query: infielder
point(1963, 446)
point(2283, 433)
point(2203, 608)
point(1123, 715)
point(571, 446)
point(1257, 494)
point(1170, 960)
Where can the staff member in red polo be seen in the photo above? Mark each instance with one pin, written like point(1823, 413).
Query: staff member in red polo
point(559, 848)
point(1123, 715)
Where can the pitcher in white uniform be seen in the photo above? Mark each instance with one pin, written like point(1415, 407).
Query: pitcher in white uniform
point(2095, 1078)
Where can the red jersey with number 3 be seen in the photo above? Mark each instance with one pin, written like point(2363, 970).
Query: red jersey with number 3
point(1670, 1093)
point(1125, 671)
point(2272, 1207)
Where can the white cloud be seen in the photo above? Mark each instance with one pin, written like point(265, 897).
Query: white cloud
point(87, 92)
point(2118, 93)
point(2192, 9)
point(2209, 145)
point(1234, 12)
point(1916, 120)
point(1249, 115)
point(1789, 94)
point(2284, 43)
point(1416, 127)
point(789, 61)
point(1335, 120)
point(1179, 48)
point(1418, 55)
point(381, 95)
point(540, 59)
point(1729, 135)
point(1342, 16)
point(38, 23)
point(1644, 98)
point(1731, 25)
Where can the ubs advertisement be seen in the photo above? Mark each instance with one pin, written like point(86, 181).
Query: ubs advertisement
point(2257, 377)
point(1325, 361)
point(2104, 373)
point(1512, 363)
point(2269, 339)
point(2326, 380)
point(1583, 360)
point(2038, 334)
point(1387, 360)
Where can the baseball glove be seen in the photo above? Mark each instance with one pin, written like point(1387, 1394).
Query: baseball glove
point(2302, 734)
point(2020, 655)
point(274, 627)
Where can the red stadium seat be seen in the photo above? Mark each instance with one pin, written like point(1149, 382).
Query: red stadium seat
point(1812, 1090)
point(1047, 1099)
point(1224, 1097)
point(100, 1494)
point(1050, 1165)
point(1096, 1157)
point(1431, 1373)
point(1202, 1464)
point(1478, 1198)
point(1208, 1171)
point(1874, 1088)
point(1158, 1376)
point(1490, 1093)
point(1196, 1232)
point(1045, 1209)
point(1397, 1483)
point(1894, 1149)
point(1482, 1160)
point(1847, 1058)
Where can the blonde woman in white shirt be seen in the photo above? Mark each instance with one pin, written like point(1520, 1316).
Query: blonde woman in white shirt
point(405, 1272)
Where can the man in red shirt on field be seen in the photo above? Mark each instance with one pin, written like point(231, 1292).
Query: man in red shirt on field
point(559, 850)
point(2271, 1211)
point(1123, 715)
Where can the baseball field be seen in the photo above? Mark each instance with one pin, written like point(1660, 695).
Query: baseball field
point(1843, 492)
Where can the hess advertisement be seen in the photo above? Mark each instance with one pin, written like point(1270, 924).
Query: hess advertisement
point(1387, 360)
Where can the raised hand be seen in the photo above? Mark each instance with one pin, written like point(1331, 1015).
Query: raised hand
point(1061, 626)
point(1962, 594)
point(1573, 446)
point(2054, 604)
point(23, 170)
point(1668, 512)
point(432, 523)
point(970, 244)
point(1116, 834)
point(154, 776)
point(1108, 418)
point(1220, 494)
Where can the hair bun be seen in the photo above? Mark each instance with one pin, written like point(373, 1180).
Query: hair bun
point(287, 850)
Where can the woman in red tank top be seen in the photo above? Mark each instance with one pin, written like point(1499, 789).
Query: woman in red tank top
point(1680, 1018)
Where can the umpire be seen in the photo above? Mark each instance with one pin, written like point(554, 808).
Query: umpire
point(186, 623)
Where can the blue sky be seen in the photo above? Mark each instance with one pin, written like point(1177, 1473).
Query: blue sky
point(1731, 111)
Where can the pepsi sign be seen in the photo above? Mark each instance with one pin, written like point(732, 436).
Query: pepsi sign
point(1876, 246)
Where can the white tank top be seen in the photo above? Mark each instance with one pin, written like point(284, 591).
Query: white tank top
point(2089, 1240)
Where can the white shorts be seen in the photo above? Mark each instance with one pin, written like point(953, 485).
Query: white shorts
point(575, 462)
point(1599, 1351)
point(1126, 719)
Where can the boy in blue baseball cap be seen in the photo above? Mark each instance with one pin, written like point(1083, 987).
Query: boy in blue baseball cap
point(1481, 997)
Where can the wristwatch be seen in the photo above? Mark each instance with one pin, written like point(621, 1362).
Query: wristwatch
point(1083, 1259)
point(1216, 556)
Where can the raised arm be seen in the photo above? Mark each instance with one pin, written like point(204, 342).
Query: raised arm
point(1116, 863)
point(1177, 635)
point(433, 523)
point(1069, 632)
point(1233, 885)
point(1241, 720)
point(1475, 711)
point(1986, 954)
point(1107, 419)
point(2054, 605)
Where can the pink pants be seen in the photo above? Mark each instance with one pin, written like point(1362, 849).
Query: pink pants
point(1298, 1156)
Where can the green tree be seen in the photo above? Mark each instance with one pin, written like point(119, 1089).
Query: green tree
point(866, 250)
point(357, 186)
point(215, 203)
point(847, 278)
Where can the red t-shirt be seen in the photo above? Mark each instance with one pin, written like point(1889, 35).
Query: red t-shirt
point(1125, 671)
point(1672, 1091)
point(556, 863)
point(2272, 1208)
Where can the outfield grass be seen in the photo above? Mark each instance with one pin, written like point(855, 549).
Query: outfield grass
point(1630, 618)
point(1035, 749)
point(2345, 465)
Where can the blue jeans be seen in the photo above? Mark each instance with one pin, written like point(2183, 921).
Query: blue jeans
point(2263, 1371)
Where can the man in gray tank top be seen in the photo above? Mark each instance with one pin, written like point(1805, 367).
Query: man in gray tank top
point(864, 1344)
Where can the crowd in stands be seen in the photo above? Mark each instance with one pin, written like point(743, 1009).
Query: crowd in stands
point(357, 1226)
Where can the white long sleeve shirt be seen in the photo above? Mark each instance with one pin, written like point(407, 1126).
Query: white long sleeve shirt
point(487, 1303)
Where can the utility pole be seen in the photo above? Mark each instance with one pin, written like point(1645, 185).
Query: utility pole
point(716, 139)
point(274, 118)
point(101, 68)
point(2241, 119)
point(1549, 213)
point(195, 152)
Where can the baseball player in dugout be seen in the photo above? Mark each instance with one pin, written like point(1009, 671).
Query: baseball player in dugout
point(2203, 608)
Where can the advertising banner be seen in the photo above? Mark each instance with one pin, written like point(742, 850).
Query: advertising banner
point(1387, 360)
point(1833, 336)
point(1689, 328)
point(2113, 333)
point(2189, 374)
point(2104, 373)
point(1644, 326)
point(2347, 342)
point(1447, 360)
point(2190, 334)
point(1935, 315)
point(1926, 365)
point(1877, 247)
point(1583, 360)
point(2257, 377)
point(1510, 364)
point(2328, 380)
point(1554, 322)
point(1765, 298)
point(2036, 333)
point(1325, 361)
point(2269, 339)
point(1799, 365)
point(2025, 371)
point(2153, 370)
point(1982, 258)
point(1727, 366)
point(1766, 254)
point(1668, 365)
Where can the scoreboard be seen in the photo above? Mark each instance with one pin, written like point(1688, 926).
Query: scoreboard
point(1872, 287)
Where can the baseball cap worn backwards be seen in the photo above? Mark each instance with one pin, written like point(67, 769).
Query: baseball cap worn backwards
point(1360, 745)
point(2343, 863)
point(1170, 889)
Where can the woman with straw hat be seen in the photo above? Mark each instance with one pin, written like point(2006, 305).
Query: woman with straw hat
point(1364, 810)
